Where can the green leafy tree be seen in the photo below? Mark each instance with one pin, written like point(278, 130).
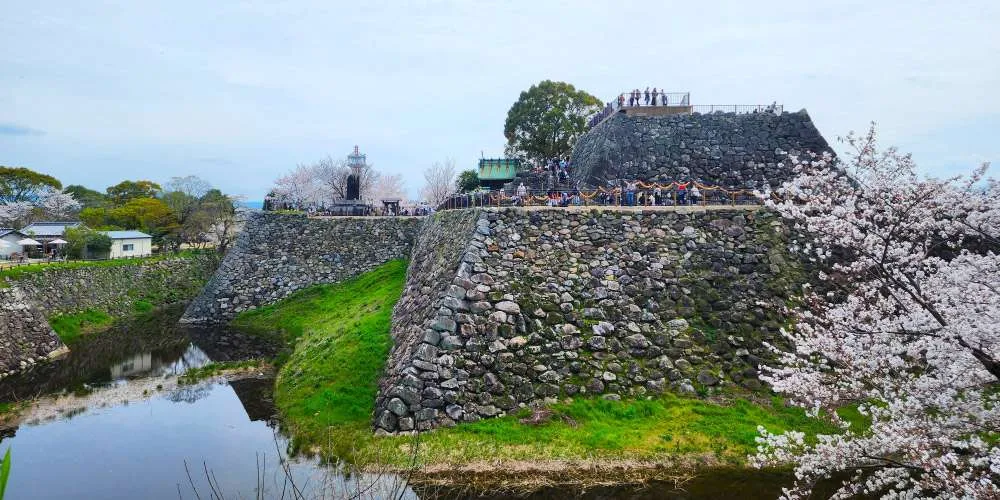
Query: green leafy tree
point(547, 119)
point(468, 180)
point(149, 215)
point(88, 198)
point(21, 184)
point(121, 193)
point(85, 243)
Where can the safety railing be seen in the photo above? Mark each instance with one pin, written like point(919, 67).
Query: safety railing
point(644, 195)
point(738, 108)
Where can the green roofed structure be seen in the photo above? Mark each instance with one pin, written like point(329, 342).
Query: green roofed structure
point(495, 172)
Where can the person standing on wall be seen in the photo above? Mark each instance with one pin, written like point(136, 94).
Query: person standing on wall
point(647, 96)
point(682, 193)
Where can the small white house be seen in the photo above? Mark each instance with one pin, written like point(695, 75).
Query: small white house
point(129, 244)
point(8, 241)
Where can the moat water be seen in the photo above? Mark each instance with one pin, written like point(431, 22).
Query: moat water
point(110, 422)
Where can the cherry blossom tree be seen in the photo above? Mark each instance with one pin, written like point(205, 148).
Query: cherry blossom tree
point(15, 214)
point(905, 325)
point(299, 188)
point(58, 203)
point(439, 182)
point(388, 186)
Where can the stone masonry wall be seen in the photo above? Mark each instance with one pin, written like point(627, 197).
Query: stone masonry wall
point(27, 302)
point(277, 254)
point(25, 335)
point(725, 149)
point(509, 308)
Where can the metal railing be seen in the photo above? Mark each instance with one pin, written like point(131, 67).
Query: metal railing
point(645, 195)
point(738, 108)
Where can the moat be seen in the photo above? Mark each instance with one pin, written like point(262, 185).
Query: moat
point(110, 421)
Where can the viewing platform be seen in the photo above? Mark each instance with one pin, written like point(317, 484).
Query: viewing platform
point(636, 103)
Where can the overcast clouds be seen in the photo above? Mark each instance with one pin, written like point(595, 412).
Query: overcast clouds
point(95, 92)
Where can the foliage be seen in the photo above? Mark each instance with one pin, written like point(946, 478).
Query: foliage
point(4, 473)
point(121, 193)
point(57, 204)
point(320, 182)
point(340, 336)
point(438, 182)
point(71, 326)
point(21, 184)
point(468, 180)
point(88, 198)
point(149, 215)
point(546, 120)
point(82, 242)
point(908, 329)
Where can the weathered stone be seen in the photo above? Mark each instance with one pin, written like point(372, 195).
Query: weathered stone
point(508, 307)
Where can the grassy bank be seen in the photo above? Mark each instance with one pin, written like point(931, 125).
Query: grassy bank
point(338, 336)
point(340, 339)
point(70, 327)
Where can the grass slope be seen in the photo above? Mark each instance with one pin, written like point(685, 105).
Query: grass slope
point(70, 327)
point(340, 339)
point(340, 335)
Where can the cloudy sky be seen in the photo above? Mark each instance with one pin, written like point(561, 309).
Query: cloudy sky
point(237, 93)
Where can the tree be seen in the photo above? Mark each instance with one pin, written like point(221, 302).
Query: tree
point(225, 219)
point(299, 187)
point(83, 243)
point(58, 204)
point(546, 120)
point(16, 214)
point(121, 193)
point(389, 187)
point(467, 181)
point(438, 181)
point(906, 327)
point(88, 198)
point(149, 215)
point(18, 184)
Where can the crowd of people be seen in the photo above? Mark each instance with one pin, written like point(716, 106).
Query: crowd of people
point(635, 98)
point(625, 193)
point(558, 168)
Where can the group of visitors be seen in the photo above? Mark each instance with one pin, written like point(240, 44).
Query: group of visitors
point(684, 193)
point(557, 168)
point(635, 98)
point(645, 98)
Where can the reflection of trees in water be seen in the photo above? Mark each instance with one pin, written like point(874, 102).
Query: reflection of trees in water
point(190, 393)
point(90, 358)
point(151, 345)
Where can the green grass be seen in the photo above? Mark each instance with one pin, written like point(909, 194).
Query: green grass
point(664, 427)
point(20, 272)
point(71, 326)
point(340, 338)
point(340, 335)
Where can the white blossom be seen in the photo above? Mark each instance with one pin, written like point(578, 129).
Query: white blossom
point(908, 330)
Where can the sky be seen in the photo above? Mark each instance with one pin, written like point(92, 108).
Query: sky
point(238, 93)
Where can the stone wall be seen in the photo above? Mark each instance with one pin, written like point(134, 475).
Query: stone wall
point(724, 149)
point(27, 302)
point(277, 254)
point(508, 308)
point(25, 336)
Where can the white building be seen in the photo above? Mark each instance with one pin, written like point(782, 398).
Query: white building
point(8, 241)
point(129, 244)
